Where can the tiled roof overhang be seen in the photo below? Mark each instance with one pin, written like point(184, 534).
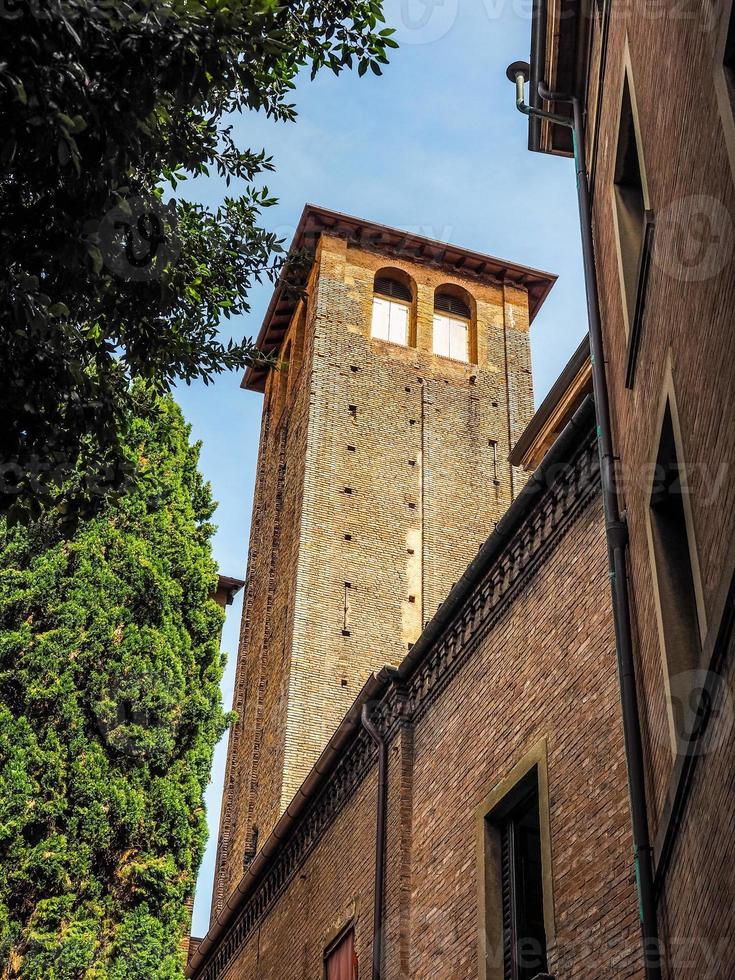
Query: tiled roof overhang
point(560, 45)
point(391, 242)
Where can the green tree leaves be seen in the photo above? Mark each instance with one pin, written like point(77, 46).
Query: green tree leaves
point(109, 712)
point(103, 104)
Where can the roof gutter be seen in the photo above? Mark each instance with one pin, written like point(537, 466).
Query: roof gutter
point(538, 39)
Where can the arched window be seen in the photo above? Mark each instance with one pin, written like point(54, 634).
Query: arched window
point(392, 300)
point(452, 320)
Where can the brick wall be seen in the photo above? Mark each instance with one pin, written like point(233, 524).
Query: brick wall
point(256, 747)
point(542, 671)
point(376, 486)
point(688, 329)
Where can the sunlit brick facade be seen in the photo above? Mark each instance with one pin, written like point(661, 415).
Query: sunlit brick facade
point(382, 470)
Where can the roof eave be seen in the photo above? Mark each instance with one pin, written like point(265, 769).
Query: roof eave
point(559, 48)
point(458, 261)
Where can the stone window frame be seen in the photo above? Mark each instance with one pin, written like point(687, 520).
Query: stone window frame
point(667, 399)
point(725, 99)
point(627, 77)
point(489, 905)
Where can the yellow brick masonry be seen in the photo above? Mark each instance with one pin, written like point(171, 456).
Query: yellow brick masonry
point(376, 486)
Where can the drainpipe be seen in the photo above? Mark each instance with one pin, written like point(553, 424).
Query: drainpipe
point(382, 816)
point(615, 527)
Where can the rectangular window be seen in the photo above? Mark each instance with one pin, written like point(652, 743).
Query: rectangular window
point(675, 581)
point(494, 459)
point(340, 961)
point(451, 337)
point(629, 202)
point(524, 937)
point(346, 610)
point(390, 321)
point(515, 880)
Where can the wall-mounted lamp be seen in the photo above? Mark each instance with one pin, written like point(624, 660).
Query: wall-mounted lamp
point(519, 73)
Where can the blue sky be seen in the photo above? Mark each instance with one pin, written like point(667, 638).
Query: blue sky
point(435, 146)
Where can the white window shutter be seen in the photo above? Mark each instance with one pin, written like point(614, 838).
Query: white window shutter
point(441, 335)
point(399, 324)
point(458, 340)
point(381, 319)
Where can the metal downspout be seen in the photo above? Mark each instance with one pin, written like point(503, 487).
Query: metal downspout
point(382, 814)
point(616, 533)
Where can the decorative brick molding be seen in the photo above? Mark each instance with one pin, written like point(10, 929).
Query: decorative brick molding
point(345, 779)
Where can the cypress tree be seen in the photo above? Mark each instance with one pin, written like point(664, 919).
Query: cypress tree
point(109, 713)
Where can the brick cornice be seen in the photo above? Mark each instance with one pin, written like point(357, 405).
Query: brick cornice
point(569, 486)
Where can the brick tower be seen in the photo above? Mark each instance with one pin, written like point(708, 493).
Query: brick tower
point(382, 469)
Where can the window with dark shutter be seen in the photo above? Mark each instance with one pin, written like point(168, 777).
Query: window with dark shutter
point(675, 592)
point(340, 961)
point(524, 937)
point(506, 883)
point(629, 202)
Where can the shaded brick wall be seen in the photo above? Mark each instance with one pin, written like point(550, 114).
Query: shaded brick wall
point(390, 446)
point(545, 670)
point(688, 324)
point(256, 746)
point(332, 888)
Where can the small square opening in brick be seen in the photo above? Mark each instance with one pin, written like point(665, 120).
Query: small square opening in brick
point(354, 368)
point(348, 537)
point(412, 598)
point(343, 682)
point(411, 551)
point(412, 462)
point(348, 490)
point(351, 449)
point(346, 633)
point(412, 506)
